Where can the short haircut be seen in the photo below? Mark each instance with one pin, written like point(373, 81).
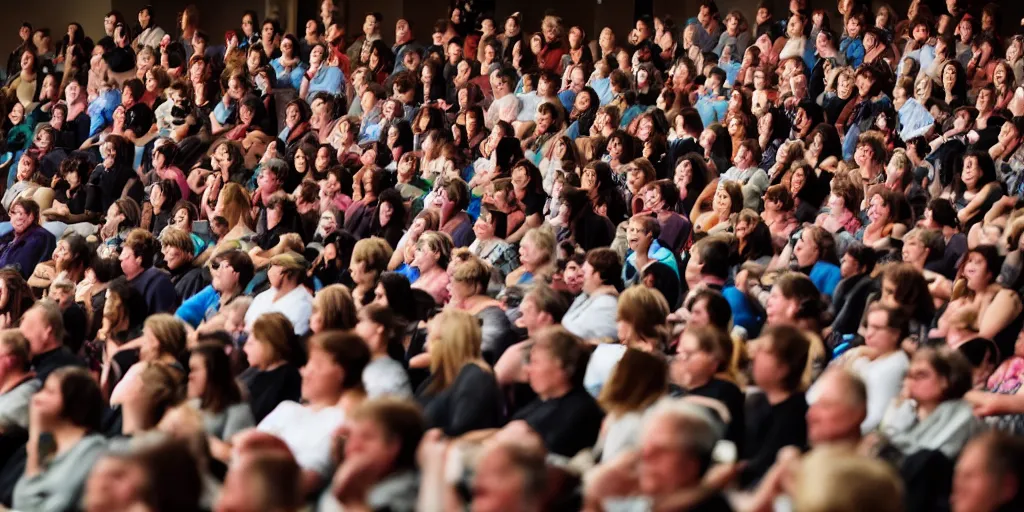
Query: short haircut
point(179, 239)
point(16, 346)
point(714, 257)
point(374, 252)
point(241, 262)
point(567, 348)
point(606, 263)
point(52, 316)
point(143, 245)
point(401, 421)
point(714, 341)
point(348, 351)
point(549, 301)
point(28, 205)
point(169, 332)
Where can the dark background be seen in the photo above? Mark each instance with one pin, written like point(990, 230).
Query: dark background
point(218, 16)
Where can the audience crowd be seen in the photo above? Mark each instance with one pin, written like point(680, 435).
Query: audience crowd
point(499, 264)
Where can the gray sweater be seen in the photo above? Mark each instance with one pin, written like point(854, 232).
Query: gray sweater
point(14, 403)
point(225, 424)
point(58, 487)
point(592, 317)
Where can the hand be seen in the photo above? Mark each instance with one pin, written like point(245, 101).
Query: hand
point(432, 450)
point(985, 404)
point(353, 480)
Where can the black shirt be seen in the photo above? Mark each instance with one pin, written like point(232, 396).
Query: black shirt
point(734, 400)
point(567, 424)
point(269, 388)
point(47, 362)
point(769, 429)
point(471, 402)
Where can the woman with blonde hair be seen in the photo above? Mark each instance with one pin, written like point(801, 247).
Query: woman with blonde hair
point(461, 394)
point(537, 258)
point(833, 479)
point(156, 390)
point(274, 357)
point(163, 341)
point(427, 220)
point(234, 205)
point(333, 308)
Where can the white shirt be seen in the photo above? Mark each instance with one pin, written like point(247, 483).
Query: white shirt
point(307, 433)
point(296, 305)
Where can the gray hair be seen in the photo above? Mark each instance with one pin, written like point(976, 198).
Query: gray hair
point(53, 317)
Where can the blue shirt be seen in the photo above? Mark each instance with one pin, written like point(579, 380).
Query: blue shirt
point(568, 99)
point(712, 108)
point(853, 49)
point(101, 110)
point(288, 79)
point(329, 79)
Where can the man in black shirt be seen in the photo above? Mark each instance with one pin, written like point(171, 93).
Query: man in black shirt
point(43, 326)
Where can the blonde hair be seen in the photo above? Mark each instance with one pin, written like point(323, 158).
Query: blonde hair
point(374, 252)
point(169, 332)
point(834, 480)
point(336, 307)
point(437, 242)
point(276, 333)
point(647, 311)
point(454, 338)
point(237, 205)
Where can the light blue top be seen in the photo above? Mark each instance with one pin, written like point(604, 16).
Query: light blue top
point(288, 79)
point(329, 79)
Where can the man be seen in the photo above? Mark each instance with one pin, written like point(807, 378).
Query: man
point(137, 255)
point(14, 59)
point(674, 455)
point(840, 407)
point(43, 327)
point(179, 254)
point(941, 215)
point(286, 295)
point(592, 315)
point(509, 477)
point(745, 172)
point(506, 106)
point(17, 380)
point(231, 272)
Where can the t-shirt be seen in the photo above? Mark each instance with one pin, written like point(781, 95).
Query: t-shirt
point(307, 432)
point(297, 305)
point(567, 424)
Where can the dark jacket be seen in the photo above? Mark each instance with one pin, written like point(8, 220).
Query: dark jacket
point(26, 251)
point(155, 285)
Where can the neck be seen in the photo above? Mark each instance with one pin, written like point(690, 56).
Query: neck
point(558, 392)
point(134, 274)
point(285, 289)
point(66, 436)
point(925, 409)
point(777, 396)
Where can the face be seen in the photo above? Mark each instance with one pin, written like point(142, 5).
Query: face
point(545, 372)
point(779, 309)
point(321, 376)
point(114, 484)
point(831, 417)
point(663, 465)
point(949, 76)
point(723, 202)
point(806, 250)
point(878, 334)
point(20, 219)
point(695, 363)
point(923, 383)
point(196, 376)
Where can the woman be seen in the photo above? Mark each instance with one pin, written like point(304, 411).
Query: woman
point(289, 67)
point(370, 257)
point(332, 387)
point(703, 367)
point(886, 216)
point(163, 340)
point(69, 407)
point(213, 391)
point(274, 356)
point(389, 220)
point(638, 381)
point(331, 266)
point(452, 197)
point(461, 394)
point(527, 185)
point(156, 214)
point(815, 254)
point(433, 252)
point(859, 113)
point(401, 259)
point(779, 211)
point(148, 398)
point(28, 243)
point(998, 308)
point(537, 259)
point(368, 183)
point(382, 329)
point(933, 414)
point(296, 124)
point(843, 213)
point(470, 279)
point(489, 246)
point(1003, 384)
point(25, 86)
point(728, 200)
point(977, 189)
point(321, 76)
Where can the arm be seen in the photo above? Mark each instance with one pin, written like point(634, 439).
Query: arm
point(1005, 306)
point(532, 221)
point(979, 199)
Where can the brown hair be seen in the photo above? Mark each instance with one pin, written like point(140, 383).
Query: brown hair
point(638, 380)
point(276, 332)
point(336, 307)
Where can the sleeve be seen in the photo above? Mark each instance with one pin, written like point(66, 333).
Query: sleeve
point(163, 298)
point(194, 309)
point(59, 488)
point(238, 418)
